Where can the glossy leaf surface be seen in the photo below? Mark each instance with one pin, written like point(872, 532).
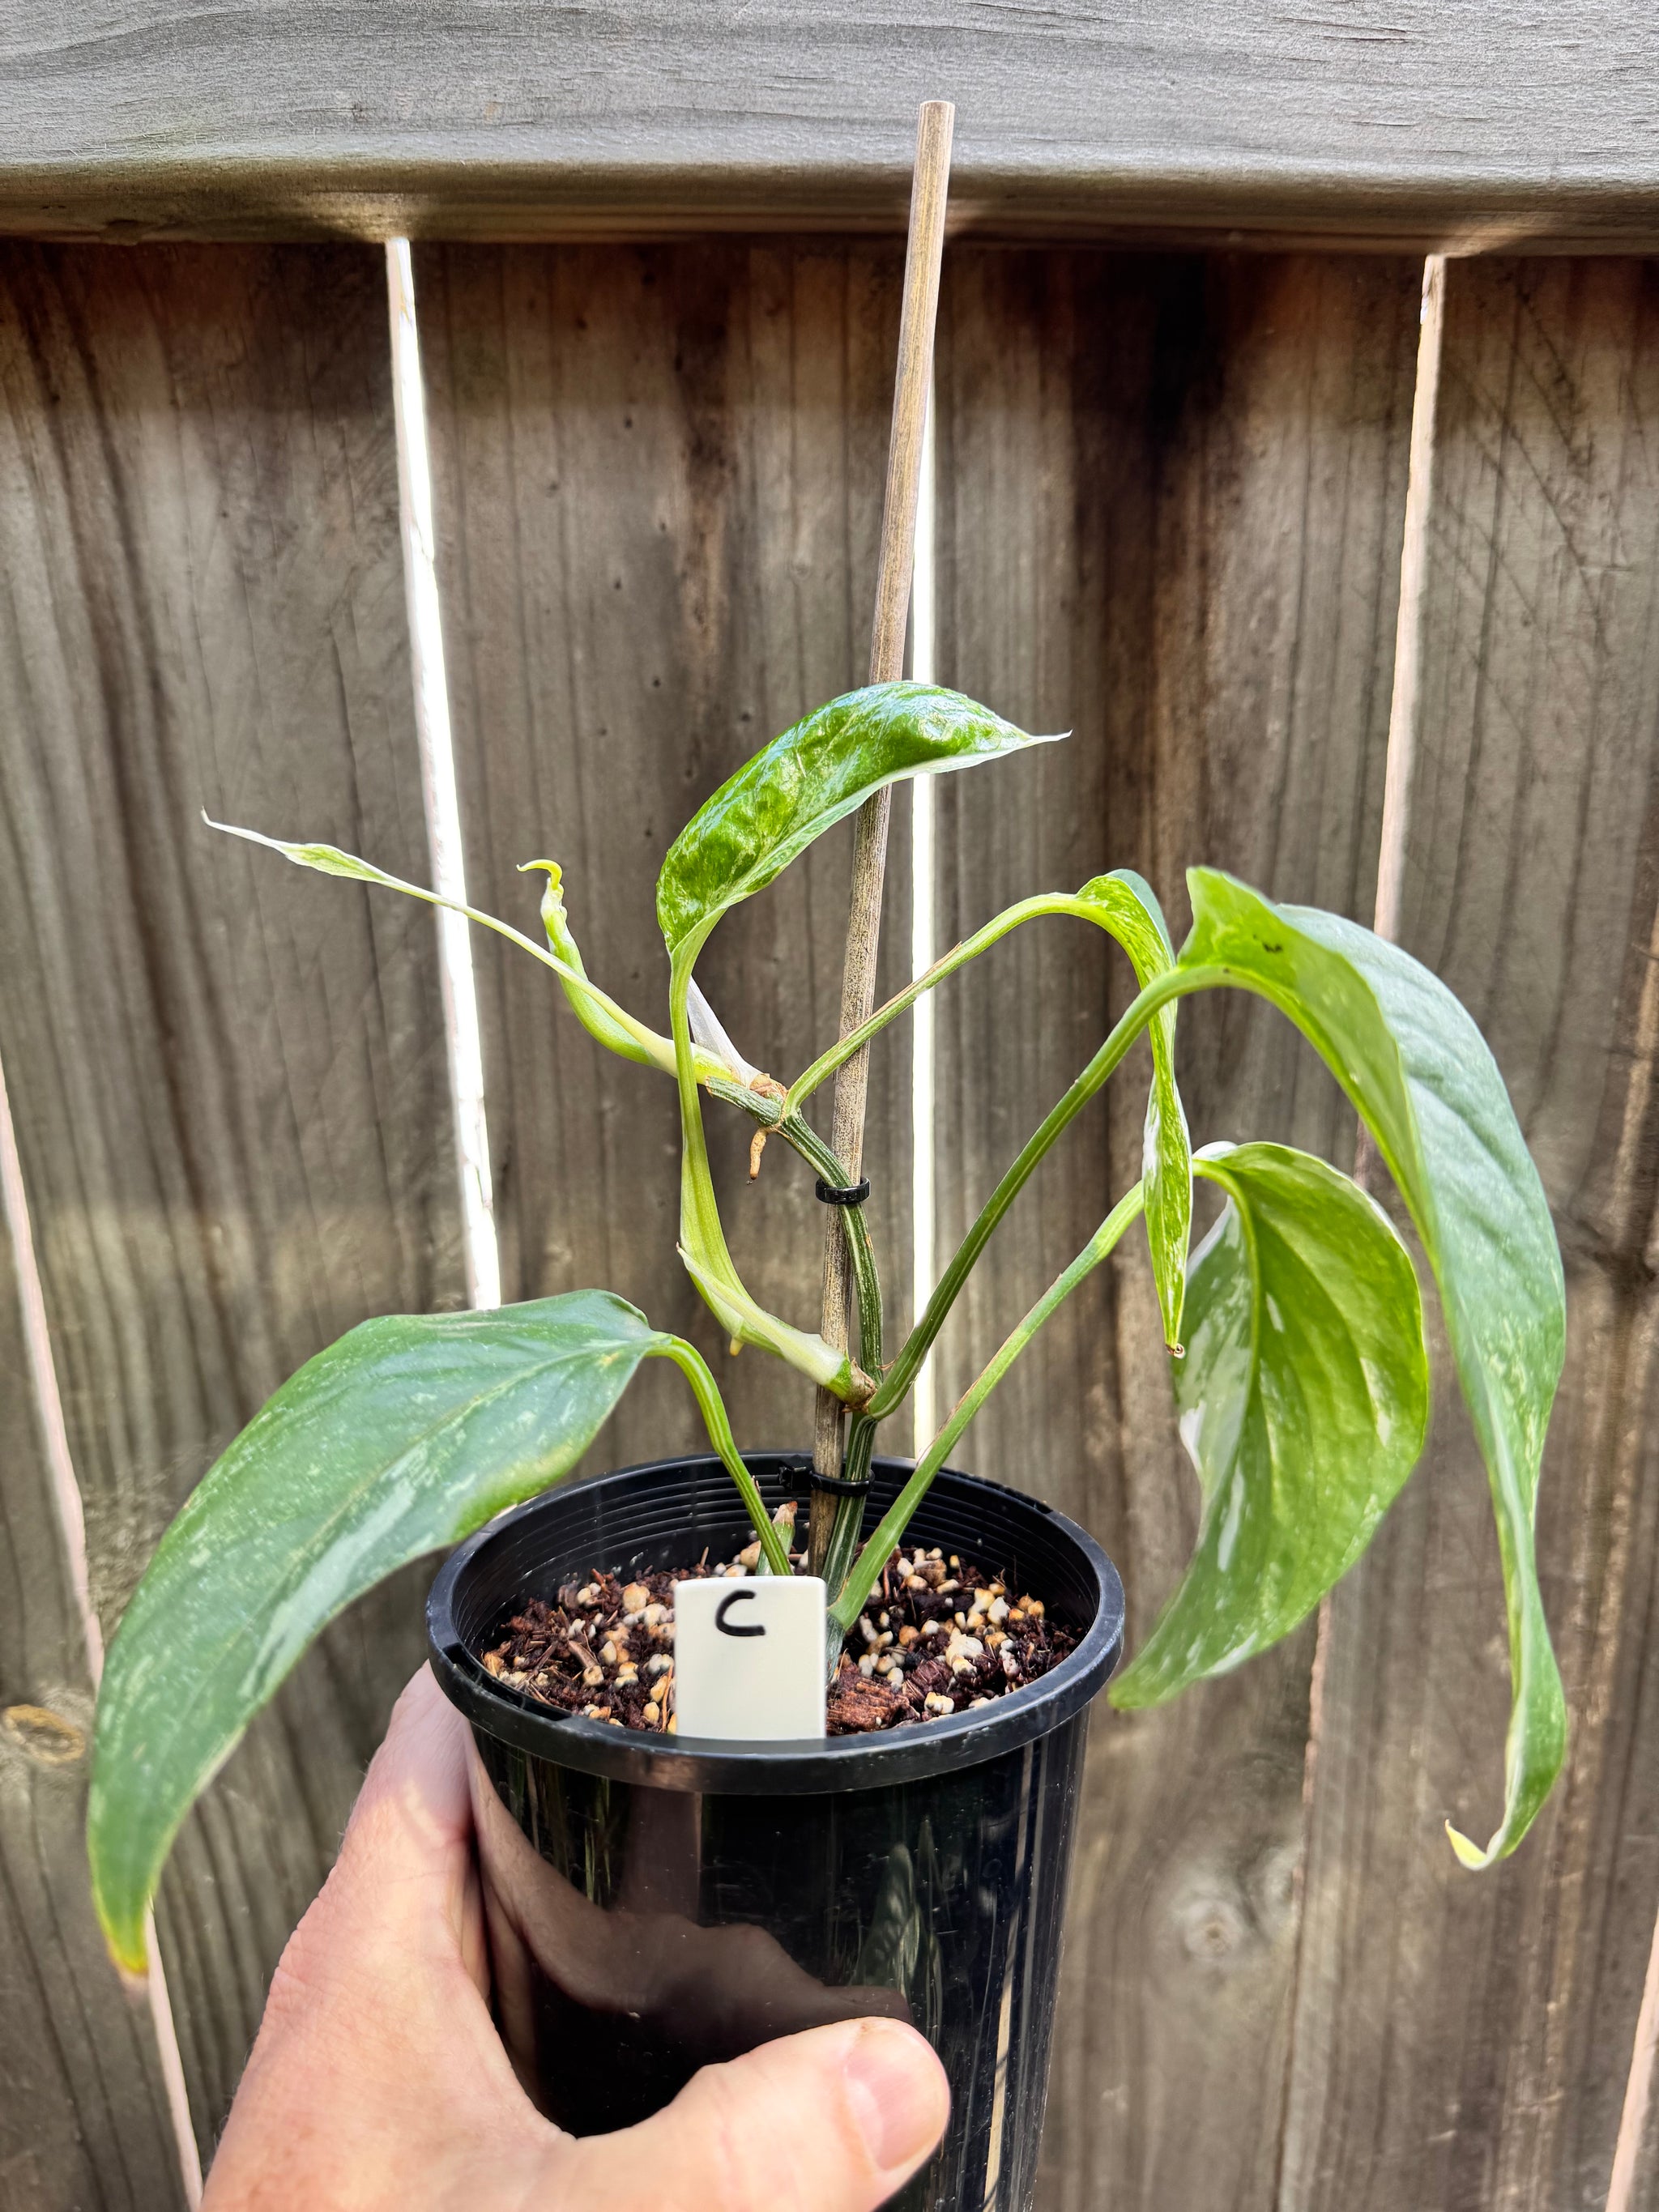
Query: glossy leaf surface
point(1125, 905)
point(1414, 1064)
point(1303, 1399)
point(405, 1436)
point(797, 786)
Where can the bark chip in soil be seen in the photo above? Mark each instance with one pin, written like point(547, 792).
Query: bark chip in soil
point(938, 1636)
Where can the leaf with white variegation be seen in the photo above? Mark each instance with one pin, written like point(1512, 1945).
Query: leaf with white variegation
point(1412, 1060)
point(1303, 1399)
point(1126, 906)
point(403, 1436)
point(806, 780)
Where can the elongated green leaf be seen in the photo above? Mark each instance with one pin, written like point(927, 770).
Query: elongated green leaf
point(1125, 904)
point(806, 780)
point(406, 1435)
point(1418, 1069)
point(1303, 1399)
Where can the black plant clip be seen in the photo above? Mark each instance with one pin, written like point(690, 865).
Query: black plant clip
point(854, 1194)
point(838, 1486)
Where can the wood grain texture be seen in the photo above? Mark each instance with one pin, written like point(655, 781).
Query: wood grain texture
point(1471, 123)
point(227, 1078)
point(1170, 496)
point(1462, 2042)
point(658, 475)
point(83, 2120)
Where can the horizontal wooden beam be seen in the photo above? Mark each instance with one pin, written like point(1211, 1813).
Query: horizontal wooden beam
point(1463, 125)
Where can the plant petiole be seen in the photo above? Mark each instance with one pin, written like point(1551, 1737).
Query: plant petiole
point(692, 1364)
point(1173, 983)
point(867, 1568)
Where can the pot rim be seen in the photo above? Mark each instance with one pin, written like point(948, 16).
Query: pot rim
point(811, 1766)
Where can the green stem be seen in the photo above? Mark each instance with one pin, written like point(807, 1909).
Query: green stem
point(828, 1063)
point(697, 1182)
point(712, 1406)
point(1173, 983)
point(702, 1239)
point(849, 1511)
point(867, 1568)
point(866, 1282)
point(861, 1434)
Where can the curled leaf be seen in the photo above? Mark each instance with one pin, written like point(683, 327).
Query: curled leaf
point(599, 1014)
point(1125, 904)
point(1303, 1401)
point(603, 1020)
point(1414, 1064)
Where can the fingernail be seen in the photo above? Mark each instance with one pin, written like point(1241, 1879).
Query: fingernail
point(897, 2093)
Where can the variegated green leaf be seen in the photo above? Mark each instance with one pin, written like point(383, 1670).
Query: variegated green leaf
point(816, 773)
point(1418, 1071)
point(405, 1436)
point(1303, 1400)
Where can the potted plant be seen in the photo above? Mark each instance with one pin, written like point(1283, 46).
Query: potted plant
point(654, 1901)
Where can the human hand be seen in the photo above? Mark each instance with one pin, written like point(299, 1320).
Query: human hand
point(378, 2080)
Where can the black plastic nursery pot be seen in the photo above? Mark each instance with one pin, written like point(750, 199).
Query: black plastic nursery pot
point(657, 1902)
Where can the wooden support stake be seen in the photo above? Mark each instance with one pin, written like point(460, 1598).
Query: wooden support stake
point(929, 187)
point(1400, 774)
point(1398, 785)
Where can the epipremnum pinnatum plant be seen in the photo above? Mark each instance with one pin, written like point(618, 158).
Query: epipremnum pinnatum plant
point(1302, 1393)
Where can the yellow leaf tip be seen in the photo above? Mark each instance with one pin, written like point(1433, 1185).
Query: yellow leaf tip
point(129, 1957)
point(1468, 1855)
point(135, 1979)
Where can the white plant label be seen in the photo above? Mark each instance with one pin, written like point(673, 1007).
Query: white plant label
point(749, 1661)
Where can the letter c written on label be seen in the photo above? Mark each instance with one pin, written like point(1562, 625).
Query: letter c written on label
point(727, 1687)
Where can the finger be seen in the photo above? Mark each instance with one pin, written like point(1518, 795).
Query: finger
point(407, 1843)
point(834, 2120)
point(400, 1894)
point(378, 2070)
point(420, 1771)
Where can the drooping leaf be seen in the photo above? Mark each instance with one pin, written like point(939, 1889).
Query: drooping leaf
point(1303, 1399)
point(598, 1013)
point(806, 780)
point(1126, 906)
point(405, 1436)
point(1414, 1064)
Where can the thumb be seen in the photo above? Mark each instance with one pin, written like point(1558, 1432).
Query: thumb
point(833, 2120)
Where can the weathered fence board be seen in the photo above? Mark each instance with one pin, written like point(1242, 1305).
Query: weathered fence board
point(1465, 2042)
point(1170, 507)
point(1428, 122)
point(658, 490)
point(83, 2119)
point(227, 1079)
point(1171, 498)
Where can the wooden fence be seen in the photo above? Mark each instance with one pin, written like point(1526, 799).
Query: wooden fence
point(1171, 493)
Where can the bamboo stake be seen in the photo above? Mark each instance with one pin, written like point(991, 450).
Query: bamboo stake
point(1397, 788)
point(1400, 777)
point(930, 185)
